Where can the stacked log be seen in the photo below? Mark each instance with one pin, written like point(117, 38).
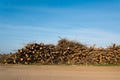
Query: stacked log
point(65, 52)
point(3, 57)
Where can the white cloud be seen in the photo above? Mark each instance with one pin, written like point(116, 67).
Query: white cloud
point(18, 35)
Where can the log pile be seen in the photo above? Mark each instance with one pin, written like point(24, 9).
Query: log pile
point(3, 57)
point(65, 52)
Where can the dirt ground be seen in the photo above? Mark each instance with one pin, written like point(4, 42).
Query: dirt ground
point(59, 72)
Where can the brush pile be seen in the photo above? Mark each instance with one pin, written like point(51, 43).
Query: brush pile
point(65, 52)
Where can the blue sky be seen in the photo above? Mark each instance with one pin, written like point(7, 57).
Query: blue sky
point(87, 21)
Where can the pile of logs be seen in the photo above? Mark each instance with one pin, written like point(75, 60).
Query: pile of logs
point(4, 57)
point(65, 52)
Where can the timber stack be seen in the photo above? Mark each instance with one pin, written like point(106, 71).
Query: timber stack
point(65, 52)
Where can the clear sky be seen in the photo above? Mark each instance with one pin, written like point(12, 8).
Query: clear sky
point(87, 21)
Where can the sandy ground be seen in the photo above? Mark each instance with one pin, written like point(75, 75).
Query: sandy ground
point(59, 72)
